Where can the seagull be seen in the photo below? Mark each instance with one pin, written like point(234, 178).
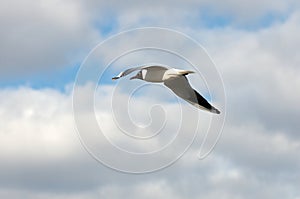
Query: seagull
point(174, 79)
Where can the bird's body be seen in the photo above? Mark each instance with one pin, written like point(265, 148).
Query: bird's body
point(174, 79)
point(154, 74)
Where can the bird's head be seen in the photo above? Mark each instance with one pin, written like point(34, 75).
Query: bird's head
point(139, 75)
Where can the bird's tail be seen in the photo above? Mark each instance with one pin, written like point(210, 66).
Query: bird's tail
point(185, 72)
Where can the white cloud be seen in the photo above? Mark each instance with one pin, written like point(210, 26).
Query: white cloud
point(148, 190)
point(41, 155)
point(260, 71)
point(189, 13)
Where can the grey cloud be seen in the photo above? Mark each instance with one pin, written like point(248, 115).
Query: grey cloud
point(39, 36)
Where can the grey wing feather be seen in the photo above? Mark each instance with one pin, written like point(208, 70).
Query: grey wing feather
point(181, 87)
point(130, 70)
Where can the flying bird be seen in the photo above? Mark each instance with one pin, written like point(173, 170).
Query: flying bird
point(174, 79)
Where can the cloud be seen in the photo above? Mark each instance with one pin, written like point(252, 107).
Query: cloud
point(257, 156)
point(42, 36)
point(191, 13)
point(51, 35)
point(47, 159)
point(261, 75)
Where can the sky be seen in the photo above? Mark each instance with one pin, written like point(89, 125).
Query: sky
point(253, 45)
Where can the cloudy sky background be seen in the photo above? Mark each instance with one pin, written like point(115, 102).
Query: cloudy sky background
point(255, 47)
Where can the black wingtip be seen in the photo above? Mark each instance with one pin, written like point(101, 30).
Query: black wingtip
point(214, 110)
point(115, 78)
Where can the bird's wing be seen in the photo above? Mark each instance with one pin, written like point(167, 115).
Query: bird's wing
point(130, 70)
point(181, 87)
